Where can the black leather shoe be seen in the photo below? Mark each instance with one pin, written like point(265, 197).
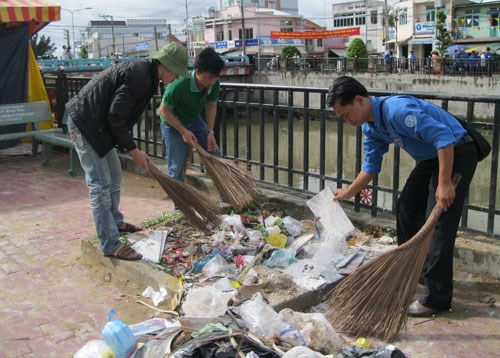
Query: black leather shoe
point(419, 310)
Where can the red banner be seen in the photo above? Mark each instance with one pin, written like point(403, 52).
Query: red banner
point(353, 31)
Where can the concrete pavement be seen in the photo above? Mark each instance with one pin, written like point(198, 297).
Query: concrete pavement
point(52, 302)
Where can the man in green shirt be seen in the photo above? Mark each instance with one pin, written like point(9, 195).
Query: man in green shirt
point(180, 111)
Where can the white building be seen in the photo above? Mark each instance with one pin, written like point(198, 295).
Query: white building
point(368, 15)
point(133, 37)
point(289, 6)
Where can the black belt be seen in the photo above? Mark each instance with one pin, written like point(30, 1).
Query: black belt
point(465, 139)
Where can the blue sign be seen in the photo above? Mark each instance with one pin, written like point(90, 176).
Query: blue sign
point(424, 27)
point(142, 46)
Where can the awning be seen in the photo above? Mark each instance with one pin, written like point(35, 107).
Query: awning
point(421, 41)
point(340, 52)
point(37, 13)
point(400, 40)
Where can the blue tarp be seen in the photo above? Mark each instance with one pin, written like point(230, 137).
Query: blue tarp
point(14, 73)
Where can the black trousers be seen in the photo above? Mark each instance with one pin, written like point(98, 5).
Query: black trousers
point(414, 205)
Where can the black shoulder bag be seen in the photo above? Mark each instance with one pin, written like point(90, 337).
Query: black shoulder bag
point(482, 145)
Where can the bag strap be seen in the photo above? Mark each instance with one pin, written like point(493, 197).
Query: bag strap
point(381, 105)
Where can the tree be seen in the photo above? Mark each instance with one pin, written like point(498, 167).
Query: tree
point(42, 47)
point(84, 51)
point(358, 52)
point(289, 51)
point(357, 48)
point(443, 36)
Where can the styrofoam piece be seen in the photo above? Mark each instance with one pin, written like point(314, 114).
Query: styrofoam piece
point(151, 248)
point(330, 213)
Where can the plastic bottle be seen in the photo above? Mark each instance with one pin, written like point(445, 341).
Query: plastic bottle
point(119, 337)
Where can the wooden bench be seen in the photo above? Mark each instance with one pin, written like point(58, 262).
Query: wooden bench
point(58, 139)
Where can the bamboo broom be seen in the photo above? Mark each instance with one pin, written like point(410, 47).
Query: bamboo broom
point(373, 301)
point(194, 204)
point(233, 183)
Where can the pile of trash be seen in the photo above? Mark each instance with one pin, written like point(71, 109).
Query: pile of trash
point(230, 282)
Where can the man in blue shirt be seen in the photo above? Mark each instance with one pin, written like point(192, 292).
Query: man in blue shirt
point(441, 147)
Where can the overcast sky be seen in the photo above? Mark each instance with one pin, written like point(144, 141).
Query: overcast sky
point(173, 10)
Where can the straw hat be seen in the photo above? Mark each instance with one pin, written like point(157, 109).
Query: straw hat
point(174, 57)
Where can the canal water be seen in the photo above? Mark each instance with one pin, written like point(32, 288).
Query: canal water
point(479, 190)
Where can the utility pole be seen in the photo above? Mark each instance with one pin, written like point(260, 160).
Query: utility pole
point(187, 30)
point(384, 20)
point(156, 38)
point(169, 33)
point(66, 36)
point(243, 37)
point(105, 17)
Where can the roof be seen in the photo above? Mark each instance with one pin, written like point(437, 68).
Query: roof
point(37, 12)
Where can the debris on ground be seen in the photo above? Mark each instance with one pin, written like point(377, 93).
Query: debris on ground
point(228, 280)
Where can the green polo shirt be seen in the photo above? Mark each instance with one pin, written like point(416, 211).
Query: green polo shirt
point(185, 101)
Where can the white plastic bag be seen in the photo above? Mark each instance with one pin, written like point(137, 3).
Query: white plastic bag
point(315, 329)
point(260, 318)
point(216, 266)
point(206, 301)
point(292, 226)
point(92, 349)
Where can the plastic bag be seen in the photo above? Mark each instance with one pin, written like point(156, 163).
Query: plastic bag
point(92, 349)
point(302, 352)
point(315, 329)
point(118, 336)
point(292, 226)
point(281, 258)
point(260, 318)
point(216, 266)
point(233, 222)
point(206, 301)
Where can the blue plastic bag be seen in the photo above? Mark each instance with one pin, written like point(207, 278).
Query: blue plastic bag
point(119, 337)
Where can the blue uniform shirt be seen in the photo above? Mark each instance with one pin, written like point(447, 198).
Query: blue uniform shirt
point(415, 125)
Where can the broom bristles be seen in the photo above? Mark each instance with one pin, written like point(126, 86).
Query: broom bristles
point(193, 203)
point(373, 301)
point(233, 183)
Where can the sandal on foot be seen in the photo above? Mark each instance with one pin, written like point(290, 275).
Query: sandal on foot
point(125, 252)
point(130, 228)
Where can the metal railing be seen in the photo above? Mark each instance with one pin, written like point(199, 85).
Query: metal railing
point(378, 65)
point(290, 140)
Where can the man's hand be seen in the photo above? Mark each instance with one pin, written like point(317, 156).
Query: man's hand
point(140, 158)
point(445, 194)
point(189, 137)
point(212, 143)
point(340, 194)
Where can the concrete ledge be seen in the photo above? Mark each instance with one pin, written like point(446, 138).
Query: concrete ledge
point(139, 272)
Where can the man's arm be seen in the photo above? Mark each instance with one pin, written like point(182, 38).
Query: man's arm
point(210, 114)
point(175, 123)
point(359, 183)
point(445, 191)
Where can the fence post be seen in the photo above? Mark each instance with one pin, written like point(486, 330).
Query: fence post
point(61, 94)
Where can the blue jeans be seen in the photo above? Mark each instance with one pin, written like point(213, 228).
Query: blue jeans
point(103, 178)
point(175, 147)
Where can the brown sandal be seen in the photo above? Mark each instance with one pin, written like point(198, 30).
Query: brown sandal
point(130, 228)
point(125, 252)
